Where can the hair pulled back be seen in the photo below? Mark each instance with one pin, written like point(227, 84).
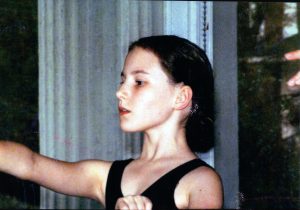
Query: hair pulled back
point(184, 61)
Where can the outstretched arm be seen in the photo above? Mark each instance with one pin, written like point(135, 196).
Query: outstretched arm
point(84, 178)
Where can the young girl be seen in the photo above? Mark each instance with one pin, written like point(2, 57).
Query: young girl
point(166, 91)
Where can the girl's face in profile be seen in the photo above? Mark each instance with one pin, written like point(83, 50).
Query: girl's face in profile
point(146, 94)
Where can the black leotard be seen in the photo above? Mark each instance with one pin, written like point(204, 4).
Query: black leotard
point(161, 192)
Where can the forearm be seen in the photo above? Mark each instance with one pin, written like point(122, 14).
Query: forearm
point(16, 159)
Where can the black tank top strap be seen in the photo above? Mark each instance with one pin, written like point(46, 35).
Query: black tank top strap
point(113, 185)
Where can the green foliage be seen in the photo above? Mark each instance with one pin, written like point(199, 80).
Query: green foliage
point(19, 69)
point(8, 202)
point(18, 83)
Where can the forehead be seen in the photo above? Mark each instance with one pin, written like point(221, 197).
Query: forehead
point(140, 59)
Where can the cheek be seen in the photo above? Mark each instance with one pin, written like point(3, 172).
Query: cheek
point(149, 110)
point(151, 100)
point(155, 105)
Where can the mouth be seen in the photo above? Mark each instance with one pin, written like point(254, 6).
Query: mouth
point(123, 111)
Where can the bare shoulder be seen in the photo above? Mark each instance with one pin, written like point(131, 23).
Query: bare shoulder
point(203, 189)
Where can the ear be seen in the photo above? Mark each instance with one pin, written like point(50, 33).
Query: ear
point(184, 97)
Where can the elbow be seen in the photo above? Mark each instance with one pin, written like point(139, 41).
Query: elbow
point(30, 167)
point(26, 170)
point(16, 160)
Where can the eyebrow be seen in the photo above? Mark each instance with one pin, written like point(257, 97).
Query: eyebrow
point(134, 72)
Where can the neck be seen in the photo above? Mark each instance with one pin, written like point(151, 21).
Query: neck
point(165, 143)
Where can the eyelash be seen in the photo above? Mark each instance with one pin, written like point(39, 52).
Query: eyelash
point(138, 82)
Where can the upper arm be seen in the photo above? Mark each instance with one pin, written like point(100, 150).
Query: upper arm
point(84, 178)
point(205, 190)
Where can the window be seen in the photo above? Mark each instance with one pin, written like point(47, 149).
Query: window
point(269, 138)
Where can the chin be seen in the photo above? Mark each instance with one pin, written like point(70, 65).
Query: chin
point(129, 129)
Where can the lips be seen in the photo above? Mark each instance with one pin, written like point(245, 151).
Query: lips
point(123, 111)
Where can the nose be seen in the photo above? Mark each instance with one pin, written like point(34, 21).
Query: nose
point(121, 92)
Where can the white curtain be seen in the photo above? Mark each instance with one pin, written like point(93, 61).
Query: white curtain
point(82, 45)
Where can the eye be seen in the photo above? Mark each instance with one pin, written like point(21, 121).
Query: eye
point(139, 83)
point(122, 81)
